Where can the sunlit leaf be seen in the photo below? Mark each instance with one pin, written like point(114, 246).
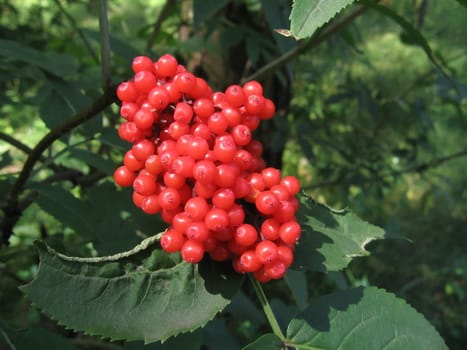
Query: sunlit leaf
point(308, 15)
point(362, 318)
point(330, 238)
point(147, 296)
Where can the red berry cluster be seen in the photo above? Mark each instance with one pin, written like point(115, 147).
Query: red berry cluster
point(194, 161)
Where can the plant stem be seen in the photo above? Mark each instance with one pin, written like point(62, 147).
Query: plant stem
point(11, 208)
point(157, 25)
point(74, 25)
point(267, 308)
point(105, 45)
point(314, 41)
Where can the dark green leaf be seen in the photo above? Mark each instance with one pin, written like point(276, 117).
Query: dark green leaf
point(411, 34)
point(94, 160)
point(308, 15)
point(185, 341)
point(266, 342)
point(128, 298)
point(66, 208)
point(204, 9)
point(331, 239)
point(296, 280)
point(216, 332)
point(59, 65)
point(35, 338)
point(362, 318)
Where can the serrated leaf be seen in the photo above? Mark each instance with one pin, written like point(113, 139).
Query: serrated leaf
point(308, 15)
point(145, 296)
point(330, 238)
point(184, 341)
point(265, 342)
point(59, 65)
point(362, 318)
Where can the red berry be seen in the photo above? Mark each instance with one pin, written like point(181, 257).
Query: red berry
point(144, 81)
point(169, 198)
point(292, 184)
point(166, 66)
point(124, 177)
point(159, 98)
point(192, 251)
point(275, 269)
point(236, 215)
point(181, 221)
point(235, 95)
point(271, 176)
point(225, 148)
point(203, 108)
point(145, 185)
point(266, 251)
point(196, 208)
point(127, 92)
point(223, 198)
point(197, 231)
point(183, 112)
point(217, 123)
point(143, 149)
point(141, 63)
point(173, 180)
point(285, 254)
point(267, 203)
point(270, 229)
point(204, 171)
point(290, 232)
point(249, 262)
point(246, 235)
point(150, 204)
point(226, 175)
point(219, 253)
point(232, 115)
point(172, 241)
point(185, 81)
point(130, 161)
point(253, 88)
point(241, 134)
point(216, 219)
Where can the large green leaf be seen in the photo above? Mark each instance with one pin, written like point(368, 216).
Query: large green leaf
point(144, 294)
point(59, 65)
point(362, 318)
point(266, 342)
point(308, 15)
point(331, 238)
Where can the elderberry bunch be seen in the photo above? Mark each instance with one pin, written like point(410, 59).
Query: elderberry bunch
point(194, 161)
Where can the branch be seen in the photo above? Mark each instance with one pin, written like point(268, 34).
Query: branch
point(313, 42)
point(14, 142)
point(419, 168)
point(105, 45)
point(157, 25)
point(11, 207)
point(74, 25)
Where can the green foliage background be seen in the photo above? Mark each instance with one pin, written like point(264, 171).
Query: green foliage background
point(366, 119)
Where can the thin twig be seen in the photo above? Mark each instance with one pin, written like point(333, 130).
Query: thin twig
point(74, 25)
point(11, 208)
point(105, 45)
point(313, 42)
point(14, 142)
point(419, 168)
point(158, 24)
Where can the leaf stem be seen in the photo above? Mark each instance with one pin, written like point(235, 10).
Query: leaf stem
point(105, 45)
point(267, 308)
point(157, 25)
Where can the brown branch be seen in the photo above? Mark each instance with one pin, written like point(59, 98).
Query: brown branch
point(158, 24)
point(11, 208)
point(14, 142)
point(333, 28)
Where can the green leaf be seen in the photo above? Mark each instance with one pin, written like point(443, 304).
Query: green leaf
point(266, 342)
point(308, 15)
point(94, 160)
point(59, 65)
point(362, 318)
point(35, 338)
point(147, 295)
point(330, 238)
point(66, 208)
point(296, 280)
point(411, 34)
point(184, 341)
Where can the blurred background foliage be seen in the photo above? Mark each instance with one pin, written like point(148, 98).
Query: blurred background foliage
point(365, 119)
